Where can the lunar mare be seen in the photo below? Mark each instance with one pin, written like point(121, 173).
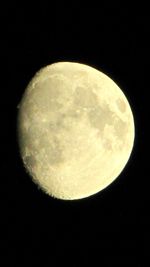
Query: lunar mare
point(76, 130)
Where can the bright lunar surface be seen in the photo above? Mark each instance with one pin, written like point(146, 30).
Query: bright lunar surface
point(76, 130)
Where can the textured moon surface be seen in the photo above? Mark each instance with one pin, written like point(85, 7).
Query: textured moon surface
point(75, 130)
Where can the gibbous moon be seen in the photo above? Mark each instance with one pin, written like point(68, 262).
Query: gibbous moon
point(75, 129)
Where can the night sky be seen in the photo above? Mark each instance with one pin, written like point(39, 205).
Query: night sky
point(111, 227)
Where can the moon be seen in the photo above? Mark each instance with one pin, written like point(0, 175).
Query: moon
point(75, 130)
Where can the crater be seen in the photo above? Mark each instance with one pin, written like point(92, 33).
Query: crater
point(54, 154)
point(30, 162)
point(52, 149)
point(47, 94)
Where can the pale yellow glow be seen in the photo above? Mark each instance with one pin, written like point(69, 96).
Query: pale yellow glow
point(76, 130)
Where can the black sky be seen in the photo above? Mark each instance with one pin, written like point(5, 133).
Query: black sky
point(107, 229)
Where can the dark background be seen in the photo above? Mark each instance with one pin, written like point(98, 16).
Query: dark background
point(110, 228)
